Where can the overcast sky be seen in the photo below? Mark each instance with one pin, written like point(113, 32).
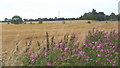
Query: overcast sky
point(50, 8)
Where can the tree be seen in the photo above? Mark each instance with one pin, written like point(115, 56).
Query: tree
point(40, 21)
point(6, 19)
point(16, 20)
point(113, 17)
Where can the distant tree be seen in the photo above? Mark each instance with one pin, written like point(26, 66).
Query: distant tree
point(94, 11)
point(26, 20)
point(6, 19)
point(55, 18)
point(113, 17)
point(16, 20)
point(40, 21)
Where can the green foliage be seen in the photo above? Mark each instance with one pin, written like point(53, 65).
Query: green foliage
point(16, 20)
point(99, 16)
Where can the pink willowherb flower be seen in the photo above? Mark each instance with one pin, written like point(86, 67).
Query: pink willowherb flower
point(84, 44)
point(91, 59)
point(32, 60)
point(116, 53)
point(73, 50)
point(106, 56)
point(86, 60)
point(66, 48)
point(101, 50)
point(60, 50)
point(93, 47)
point(28, 52)
point(33, 55)
point(61, 44)
point(94, 42)
point(90, 43)
point(48, 64)
point(79, 47)
point(81, 52)
point(73, 35)
point(96, 60)
point(76, 44)
point(98, 55)
point(110, 55)
point(45, 54)
point(56, 45)
point(113, 65)
point(109, 60)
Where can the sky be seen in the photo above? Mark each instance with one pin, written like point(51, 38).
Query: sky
point(54, 8)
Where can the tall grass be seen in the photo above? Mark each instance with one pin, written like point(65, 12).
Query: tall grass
point(100, 49)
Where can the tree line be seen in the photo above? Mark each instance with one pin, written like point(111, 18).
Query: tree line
point(94, 15)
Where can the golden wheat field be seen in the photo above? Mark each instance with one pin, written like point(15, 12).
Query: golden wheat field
point(19, 34)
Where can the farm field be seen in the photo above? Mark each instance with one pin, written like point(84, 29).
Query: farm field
point(13, 34)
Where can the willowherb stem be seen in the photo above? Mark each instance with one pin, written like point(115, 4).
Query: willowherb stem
point(52, 40)
point(38, 45)
point(47, 37)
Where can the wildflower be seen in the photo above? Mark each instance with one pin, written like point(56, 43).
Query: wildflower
point(60, 57)
point(98, 55)
point(60, 50)
point(61, 44)
point(91, 59)
point(86, 60)
point(73, 35)
point(106, 56)
point(87, 57)
point(90, 43)
point(94, 42)
point(73, 50)
point(56, 45)
point(28, 52)
point(45, 54)
point(96, 60)
point(116, 53)
point(114, 61)
point(48, 64)
point(81, 52)
point(105, 43)
point(84, 44)
point(110, 44)
point(79, 48)
point(110, 55)
point(98, 46)
point(108, 60)
point(76, 44)
point(32, 60)
point(101, 50)
point(113, 65)
point(33, 55)
point(66, 48)
point(93, 47)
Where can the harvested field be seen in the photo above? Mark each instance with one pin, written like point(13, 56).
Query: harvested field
point(19, 34)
